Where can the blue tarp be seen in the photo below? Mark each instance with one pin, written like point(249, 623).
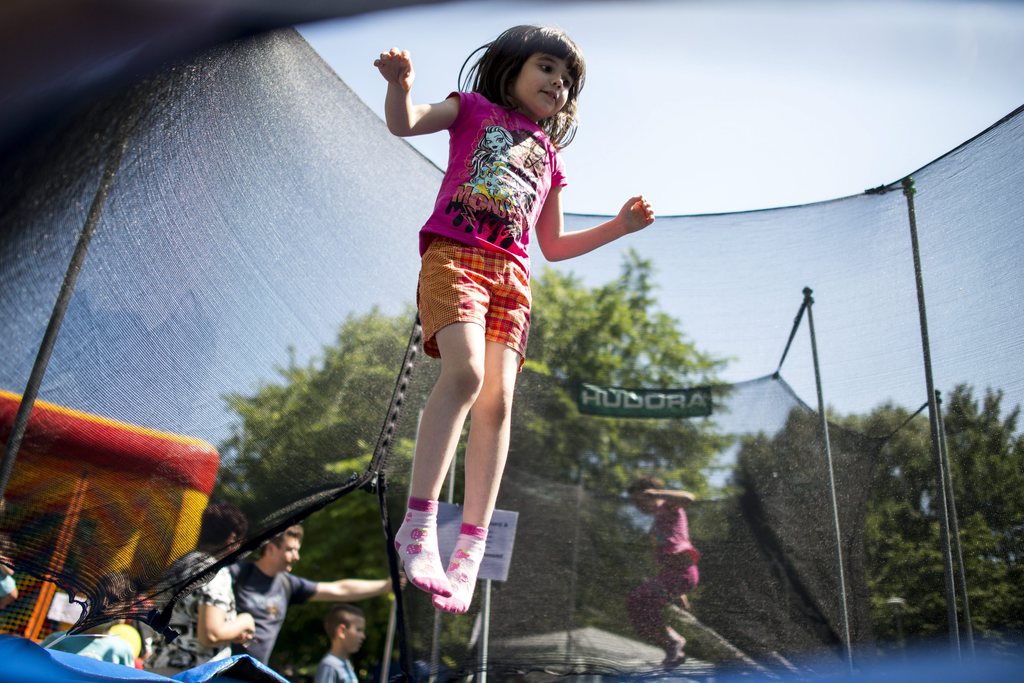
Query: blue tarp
point(23, 661)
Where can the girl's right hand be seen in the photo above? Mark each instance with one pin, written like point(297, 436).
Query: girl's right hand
point(396, 67)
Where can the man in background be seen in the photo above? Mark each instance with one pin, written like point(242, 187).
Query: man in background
point(265, 588)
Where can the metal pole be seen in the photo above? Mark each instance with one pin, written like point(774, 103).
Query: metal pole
point(485, 638)
point(955, 526)
point(385, 664)
point(570, 642)
point(898, 604)
point(933, 422)
point(435, 647)
point(35, 379)
point(808, 303)
point(792, 334)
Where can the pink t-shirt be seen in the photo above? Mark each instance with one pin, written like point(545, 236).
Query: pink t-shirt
point(501, 167)
point(672, 533)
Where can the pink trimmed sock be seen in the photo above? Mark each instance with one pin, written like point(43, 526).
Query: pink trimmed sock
point(463, 568)
point(416, 543)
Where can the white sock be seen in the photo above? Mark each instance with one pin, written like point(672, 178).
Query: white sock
point(463, 568)
point(416, 543)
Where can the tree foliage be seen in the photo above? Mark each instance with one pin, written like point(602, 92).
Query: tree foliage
point(319, 422)
point(904, 553)
point(613, 334)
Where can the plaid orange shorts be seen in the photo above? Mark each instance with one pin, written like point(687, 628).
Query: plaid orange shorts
point(460, 283)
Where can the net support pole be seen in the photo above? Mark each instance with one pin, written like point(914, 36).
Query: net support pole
point(570, 625)
point(377, 467)
point(389, 640)
point(808, 305)
point(792, 334)
point(60, 307)
point(933, 423)
point(485, 638)
point(435, 641)
point(955, 528)
point(435, 638)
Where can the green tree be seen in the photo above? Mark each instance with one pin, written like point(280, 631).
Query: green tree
point(319, 423)
point(613, 334)
point(902, 538)
point(786, 500)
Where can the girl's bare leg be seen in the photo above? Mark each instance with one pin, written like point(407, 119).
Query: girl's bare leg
point(462, 349)
point(489, 429)
point(486, 453)
point(462, 370)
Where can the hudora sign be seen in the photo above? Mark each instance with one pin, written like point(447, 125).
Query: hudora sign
point(659, 403)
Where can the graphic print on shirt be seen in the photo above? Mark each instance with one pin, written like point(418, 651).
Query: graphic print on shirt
point(269, 605)
point(505, 170)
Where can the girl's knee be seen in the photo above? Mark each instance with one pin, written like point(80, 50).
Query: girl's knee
point(463, 379)
point(494, 403)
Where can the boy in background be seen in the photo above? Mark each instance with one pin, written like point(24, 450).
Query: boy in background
point(346, 627)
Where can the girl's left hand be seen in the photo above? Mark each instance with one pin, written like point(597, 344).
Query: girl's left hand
point(636, 214)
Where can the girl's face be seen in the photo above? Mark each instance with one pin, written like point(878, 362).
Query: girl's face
point(542, 87)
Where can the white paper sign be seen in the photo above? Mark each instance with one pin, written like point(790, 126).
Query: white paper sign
point(501, 536)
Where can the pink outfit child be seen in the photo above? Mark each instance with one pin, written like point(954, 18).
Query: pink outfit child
point(676, 559)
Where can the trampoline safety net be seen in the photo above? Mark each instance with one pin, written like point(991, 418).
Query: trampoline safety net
point(242, 314)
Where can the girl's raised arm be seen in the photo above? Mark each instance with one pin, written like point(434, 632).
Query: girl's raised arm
point(403, 117)
point(683, 498)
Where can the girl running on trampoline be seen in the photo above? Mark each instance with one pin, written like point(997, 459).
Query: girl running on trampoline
point(676, 561)
point(504, 180)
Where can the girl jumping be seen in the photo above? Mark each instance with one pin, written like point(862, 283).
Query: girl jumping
point(504, 178)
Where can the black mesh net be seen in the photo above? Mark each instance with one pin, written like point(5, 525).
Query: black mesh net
point(203, 280)
point(244, 311)
point(575, 600)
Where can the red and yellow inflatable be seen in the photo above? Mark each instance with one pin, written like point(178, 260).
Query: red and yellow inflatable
point(92, 494)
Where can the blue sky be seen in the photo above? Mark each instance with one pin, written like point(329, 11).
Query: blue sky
point(731, 105)
point(705, 107)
